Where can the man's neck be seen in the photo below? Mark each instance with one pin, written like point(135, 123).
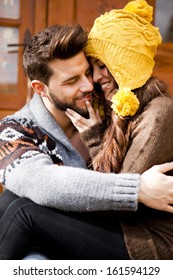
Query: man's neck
point(69, 129)
point(61, 118)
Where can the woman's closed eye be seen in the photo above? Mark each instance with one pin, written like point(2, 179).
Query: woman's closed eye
point(102, 66)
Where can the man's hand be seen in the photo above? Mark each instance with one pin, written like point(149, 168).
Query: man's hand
point(156, 189)
point(81, 123)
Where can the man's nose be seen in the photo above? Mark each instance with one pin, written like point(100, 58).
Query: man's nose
point(87, 85)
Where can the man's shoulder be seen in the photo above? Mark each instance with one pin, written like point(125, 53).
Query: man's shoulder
point(21, 117)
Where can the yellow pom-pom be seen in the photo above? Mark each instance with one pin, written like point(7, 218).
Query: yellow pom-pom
point(125, 103)
point(141, 8)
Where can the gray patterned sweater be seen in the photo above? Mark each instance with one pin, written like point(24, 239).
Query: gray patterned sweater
point(38, 161)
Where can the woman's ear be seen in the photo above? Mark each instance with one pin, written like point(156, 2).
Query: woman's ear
point(39, 88)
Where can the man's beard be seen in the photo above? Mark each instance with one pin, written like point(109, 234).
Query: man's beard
point(63, 106)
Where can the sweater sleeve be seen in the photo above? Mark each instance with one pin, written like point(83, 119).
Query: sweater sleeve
point(27, 169)
point(92, 138)
point(152, 137)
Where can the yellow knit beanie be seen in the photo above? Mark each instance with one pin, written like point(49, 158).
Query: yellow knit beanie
point(126, 42)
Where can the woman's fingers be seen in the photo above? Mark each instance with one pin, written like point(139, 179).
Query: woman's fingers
point(80, 122)
point(76, 117)
point(95, 116)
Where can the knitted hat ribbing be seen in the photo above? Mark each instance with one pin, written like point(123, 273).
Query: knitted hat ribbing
point(126, 42)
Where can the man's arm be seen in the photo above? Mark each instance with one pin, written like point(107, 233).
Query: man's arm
point(75, 189)
point(36, 166)
point(28, 171)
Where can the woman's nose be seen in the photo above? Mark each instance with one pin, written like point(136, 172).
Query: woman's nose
point(96, 75)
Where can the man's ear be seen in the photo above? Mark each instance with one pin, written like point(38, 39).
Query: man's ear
point(39, 88)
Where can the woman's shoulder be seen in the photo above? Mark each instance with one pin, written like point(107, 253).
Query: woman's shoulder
point(162, 100)
point(158, 112)
point(161, 105)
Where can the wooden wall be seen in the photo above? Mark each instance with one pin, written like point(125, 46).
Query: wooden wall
point(164, 64)
point(83, 12)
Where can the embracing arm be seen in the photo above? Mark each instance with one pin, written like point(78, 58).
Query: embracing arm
point(76, 189)
point(27, 169)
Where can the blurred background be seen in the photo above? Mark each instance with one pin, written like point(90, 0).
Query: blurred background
point(20, 19)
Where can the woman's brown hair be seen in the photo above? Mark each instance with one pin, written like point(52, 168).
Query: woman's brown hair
point(116, 138)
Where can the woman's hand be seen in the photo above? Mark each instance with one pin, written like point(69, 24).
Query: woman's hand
point(81, 123)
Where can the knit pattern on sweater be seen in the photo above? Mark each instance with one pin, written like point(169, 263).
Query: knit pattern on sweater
point(23, 139)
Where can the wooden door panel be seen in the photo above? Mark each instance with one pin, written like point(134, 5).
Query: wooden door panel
point(14, 95)
point(61, 12)
point(88, 11)
point(164, 64)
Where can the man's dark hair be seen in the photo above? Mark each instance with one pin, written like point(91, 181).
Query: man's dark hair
point(55, 42)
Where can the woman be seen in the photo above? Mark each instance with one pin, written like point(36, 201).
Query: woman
point(139, 129)
point(138, 135)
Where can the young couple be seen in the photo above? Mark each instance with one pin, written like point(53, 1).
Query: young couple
point(59, 206)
